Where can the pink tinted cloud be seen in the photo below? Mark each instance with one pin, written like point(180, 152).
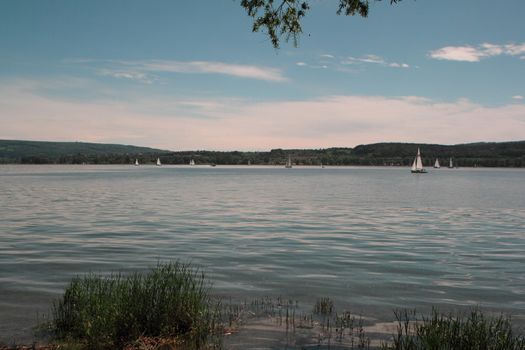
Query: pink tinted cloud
point(228, 124)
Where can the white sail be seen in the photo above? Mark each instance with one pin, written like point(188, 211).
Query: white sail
point(289, 162)
point(419, 163)
point(436, 164)
point(136, 162)
point(158, 162)
point(417, 166)
point(450, 165)
point(192, 162)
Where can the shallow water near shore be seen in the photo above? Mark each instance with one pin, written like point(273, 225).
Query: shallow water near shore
point(372, 239)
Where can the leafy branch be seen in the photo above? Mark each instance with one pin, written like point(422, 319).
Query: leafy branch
point(282, 18)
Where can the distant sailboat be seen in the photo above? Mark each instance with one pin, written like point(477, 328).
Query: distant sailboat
point(192, 162)
point(158, 162)
point(249, 163)
point(136, 162)
point(289, 163)
point(417, 166)
point(450, 164)
point(436, 164)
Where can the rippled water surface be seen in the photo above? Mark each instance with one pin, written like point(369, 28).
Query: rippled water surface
point(373, 239)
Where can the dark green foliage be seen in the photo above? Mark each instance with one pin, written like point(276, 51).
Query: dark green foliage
point(283, 17)
point(483, 154)
point(169, 301)
point(473, 331)
point(500, 154)
point(40, 152)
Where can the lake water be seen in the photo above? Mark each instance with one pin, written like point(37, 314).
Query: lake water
point(372, 239)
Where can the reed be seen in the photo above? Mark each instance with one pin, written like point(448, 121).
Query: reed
point(170, 307)
point(324, 306)
point(107, 312)
point(439, 331)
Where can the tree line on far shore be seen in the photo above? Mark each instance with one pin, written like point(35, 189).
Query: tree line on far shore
point(501, 154)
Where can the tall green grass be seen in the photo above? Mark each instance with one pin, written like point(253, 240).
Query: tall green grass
point(106, 312)
point(171, 304)
point(472, 331)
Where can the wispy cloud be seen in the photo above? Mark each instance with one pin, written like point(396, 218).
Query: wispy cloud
point(398, 65)
point(314, 66)
point(373, 59)
point(209, 67)
point(144, 70)
point(327, 56)
point(226, 123)
point(365, 59)
point(128, 74)
point(469, 53)
point(518, 97)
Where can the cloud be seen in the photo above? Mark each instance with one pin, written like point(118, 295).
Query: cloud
point(229, 123)
point(210, 67)
point(518, 97)
point(470, 53)
point(126, 74)
point(515, 49)
point(370, 59)
point(398, 65)
point(327, 56)
point(373, 59)
point(458, 53)
point(142, 70)
point(304, 64)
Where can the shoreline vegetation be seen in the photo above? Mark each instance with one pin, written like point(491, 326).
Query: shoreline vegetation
point(482, 154)
point(171, 307)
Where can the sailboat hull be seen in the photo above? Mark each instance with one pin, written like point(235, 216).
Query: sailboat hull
point(422, 171)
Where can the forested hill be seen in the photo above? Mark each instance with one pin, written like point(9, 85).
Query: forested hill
point(42, 152)
point(486, 154)
point(491, 154)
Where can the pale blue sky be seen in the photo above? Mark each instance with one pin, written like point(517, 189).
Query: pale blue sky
point(191, 74)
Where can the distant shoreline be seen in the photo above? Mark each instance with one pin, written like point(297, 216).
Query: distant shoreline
point(487, 155)
point(260, 166)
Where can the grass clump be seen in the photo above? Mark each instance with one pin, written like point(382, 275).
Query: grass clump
point(473, 331)
point(324, 306)
point(107, 312)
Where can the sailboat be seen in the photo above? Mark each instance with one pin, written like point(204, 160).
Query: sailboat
point(417, 166)
point(436, 164)
point(289, 163)
point(192, 162)
point(158, 162)
point(136, 162)
point(450, 164)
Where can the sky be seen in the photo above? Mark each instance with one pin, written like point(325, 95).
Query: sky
point(188, 75)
